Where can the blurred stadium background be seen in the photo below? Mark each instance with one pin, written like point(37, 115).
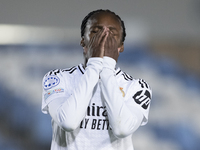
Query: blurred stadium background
point(162, 46)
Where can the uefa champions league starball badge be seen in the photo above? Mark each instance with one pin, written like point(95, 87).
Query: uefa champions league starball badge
point(50, 81)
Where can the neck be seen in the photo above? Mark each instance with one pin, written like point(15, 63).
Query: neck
point(85, 63)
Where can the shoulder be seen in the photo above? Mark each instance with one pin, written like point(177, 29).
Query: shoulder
point(52, 79)
point(138, 89)
point(133, 82)
point(141, 92)
point(141, 84)
point(123, 76)
point(60, 72)
point(57, 76)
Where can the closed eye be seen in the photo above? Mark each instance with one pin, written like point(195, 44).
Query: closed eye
point(94, 31)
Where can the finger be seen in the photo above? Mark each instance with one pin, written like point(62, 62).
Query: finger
point(104, 39)
point(109, 40)
point(91, 41)
point(113, 41)
point(101, 34)
point(95, 39)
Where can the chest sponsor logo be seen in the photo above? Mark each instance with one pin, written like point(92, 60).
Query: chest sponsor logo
point(96, 118)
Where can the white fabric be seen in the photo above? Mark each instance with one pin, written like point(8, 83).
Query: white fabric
point(123, 120)
point(95, 108)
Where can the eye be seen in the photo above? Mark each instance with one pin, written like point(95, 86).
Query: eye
point(94, 31)
point(113, 32)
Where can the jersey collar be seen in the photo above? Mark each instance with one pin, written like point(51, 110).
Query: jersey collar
point(82, 70)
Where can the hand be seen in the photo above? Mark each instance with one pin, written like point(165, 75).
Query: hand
point(111, 47)
point(97, 43)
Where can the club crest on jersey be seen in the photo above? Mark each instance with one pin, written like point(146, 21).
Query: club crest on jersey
point(50, 81)
point(121, 89)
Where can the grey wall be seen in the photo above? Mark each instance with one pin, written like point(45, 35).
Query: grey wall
point(162, 17)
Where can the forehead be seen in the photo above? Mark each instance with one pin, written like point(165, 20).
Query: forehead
point(104, 19)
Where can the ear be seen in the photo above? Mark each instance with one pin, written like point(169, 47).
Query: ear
point(121, 48)
point(82, 43)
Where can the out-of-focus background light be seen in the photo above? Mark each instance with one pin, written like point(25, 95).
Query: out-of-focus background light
point(30, 35)
point(162, 46)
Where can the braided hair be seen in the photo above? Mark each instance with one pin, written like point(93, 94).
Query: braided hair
point(85, 20)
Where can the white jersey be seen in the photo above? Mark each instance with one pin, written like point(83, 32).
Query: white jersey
point(96, 130)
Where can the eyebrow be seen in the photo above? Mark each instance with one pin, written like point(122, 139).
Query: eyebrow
point(112, 28)
point(97, 26)
point(100, 27)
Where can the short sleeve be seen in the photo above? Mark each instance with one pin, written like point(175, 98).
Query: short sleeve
point(53, 85)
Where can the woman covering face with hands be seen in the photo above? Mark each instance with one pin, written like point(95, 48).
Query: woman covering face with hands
point(95, 105)
point(103, 36)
